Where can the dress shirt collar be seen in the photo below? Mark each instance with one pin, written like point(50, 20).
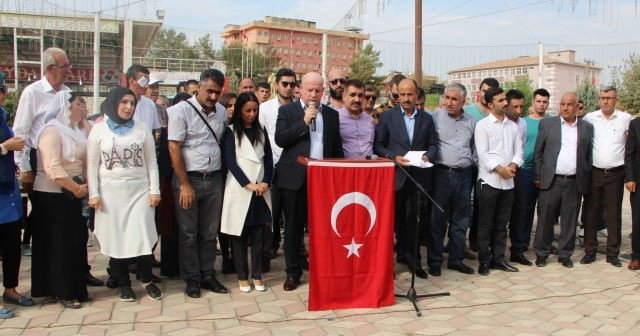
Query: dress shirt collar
point(404, 113)
point(194, 101)
point(564, 122)
point(493, 119)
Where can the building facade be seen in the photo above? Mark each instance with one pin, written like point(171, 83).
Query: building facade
point(560, 73)
point(296, 44)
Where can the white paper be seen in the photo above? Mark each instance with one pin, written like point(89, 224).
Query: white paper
point(415, 159)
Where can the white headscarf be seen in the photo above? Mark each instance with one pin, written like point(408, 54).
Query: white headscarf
point(57, 115)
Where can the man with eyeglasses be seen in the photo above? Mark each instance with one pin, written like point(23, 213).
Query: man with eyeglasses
point(268, 115)
point(370, 97)
point(336, 79)
point(356, 128)
point(138, 81)
point(392, 94)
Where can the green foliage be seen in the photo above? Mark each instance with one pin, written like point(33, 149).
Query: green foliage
point(523, 84)
point(365, 64)
point(10, 104)
point(171, 44)
point(432, 101)
point(629, 90)
point(235, 55)
point(204, 47)
point(589, 95)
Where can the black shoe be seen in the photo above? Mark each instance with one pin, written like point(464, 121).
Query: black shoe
point(435, 271)
point(227, 266)
point(93, 281)
point(213, 285)
point(193, 289)
point(541, 261)
point(503, 266)
point(566, 262)
point(153, 291)
point(420, 273)
point(462, 268)
point(615, 261)
point(127, 294)
point(588, 258)
point(483, 269)
point(520, 259)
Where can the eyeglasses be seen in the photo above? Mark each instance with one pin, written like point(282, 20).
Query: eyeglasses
point(288, 84)
point(63, 67)
point(395, 95)
point(338, 80)
point(370, 97)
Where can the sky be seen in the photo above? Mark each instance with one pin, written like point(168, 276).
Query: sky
point(456, 33)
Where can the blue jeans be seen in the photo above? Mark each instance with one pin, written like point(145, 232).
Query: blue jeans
point(452, 191)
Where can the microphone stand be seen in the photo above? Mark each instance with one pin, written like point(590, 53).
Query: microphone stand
point(411, 295)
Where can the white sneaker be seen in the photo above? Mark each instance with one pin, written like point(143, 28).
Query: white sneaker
point(603, 233)
point(244, 285)
point(259, 285)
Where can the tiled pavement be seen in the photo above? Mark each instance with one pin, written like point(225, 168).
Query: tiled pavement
point(596, 299)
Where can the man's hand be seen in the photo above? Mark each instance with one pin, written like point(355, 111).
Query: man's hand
point(95, 203)
point(310, 113)
point(402, 161)
point(631, 186)
point(187, 195)
point(505, 172)
point(536, 184)
point(26, 180)
point(14, 144)
point(154, 200)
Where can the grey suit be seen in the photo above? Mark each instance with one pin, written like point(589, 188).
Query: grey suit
point(560, 195)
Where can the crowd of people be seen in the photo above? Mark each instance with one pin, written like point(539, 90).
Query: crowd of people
point(212, 170)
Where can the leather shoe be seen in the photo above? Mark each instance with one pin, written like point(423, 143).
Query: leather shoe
point(213, 285)
point(462, 268)
point(420, 273)
point(93, 281)
point(503, 266)
point(614, 261)
point(566, 262)
point(291, 284)
point(483, 269)
point(520, 259)
point(588, 258)
point(634, 264)
point(435, 271)
point(541, 261)
point(193, 289)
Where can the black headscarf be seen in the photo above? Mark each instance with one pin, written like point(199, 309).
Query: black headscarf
point(109, 106)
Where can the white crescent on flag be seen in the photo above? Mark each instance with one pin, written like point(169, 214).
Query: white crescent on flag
point(353, 198)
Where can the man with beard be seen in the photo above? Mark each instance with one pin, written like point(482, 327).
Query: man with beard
point(392, 94)
point(336, 79)
point(285, 82)
point(356, 127)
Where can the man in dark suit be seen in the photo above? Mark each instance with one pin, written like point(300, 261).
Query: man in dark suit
point(632, 179)
point(400, 130)
point(308, 129)
point(563, 160)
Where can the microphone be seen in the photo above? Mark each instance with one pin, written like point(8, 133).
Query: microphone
point(313, 121)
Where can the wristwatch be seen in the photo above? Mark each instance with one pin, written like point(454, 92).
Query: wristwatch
point(3, 150)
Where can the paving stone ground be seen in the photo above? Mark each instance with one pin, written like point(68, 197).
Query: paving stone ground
point(596, 299)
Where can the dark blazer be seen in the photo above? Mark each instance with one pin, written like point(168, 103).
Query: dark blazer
point(632, 153)
point(548, 147)
point(391, 140)
point(292, 134)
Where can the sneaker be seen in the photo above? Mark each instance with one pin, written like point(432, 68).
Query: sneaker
point(259, 285)
point(127, 294)
point(26, 250)
point(153, 291)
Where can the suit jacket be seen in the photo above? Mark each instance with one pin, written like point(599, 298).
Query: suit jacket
point(632, 153)
point(391, 140)
point(548, 147)
point(292, 134)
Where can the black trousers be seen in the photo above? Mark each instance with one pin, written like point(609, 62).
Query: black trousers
point(635, 225)
point(610, 186)
point(120, 269)
point(271, 237)
point(294, 205)
point(250, 235)
point(10, 246)
point(494, 213)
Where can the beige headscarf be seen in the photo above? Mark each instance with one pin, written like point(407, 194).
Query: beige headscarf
point(57, 115)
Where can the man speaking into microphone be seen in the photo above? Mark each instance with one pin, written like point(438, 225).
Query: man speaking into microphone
point(309, 129)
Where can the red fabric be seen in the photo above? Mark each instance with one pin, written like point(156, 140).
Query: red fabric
point(336, 280)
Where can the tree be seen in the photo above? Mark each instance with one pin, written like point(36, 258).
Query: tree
point(589, 95)
point(253, 63)
point(365, 63)
point(171, 44)
point(630, 87)
point(522, 84)
point(204, 47)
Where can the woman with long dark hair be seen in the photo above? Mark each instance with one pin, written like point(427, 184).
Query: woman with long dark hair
point(246, 211)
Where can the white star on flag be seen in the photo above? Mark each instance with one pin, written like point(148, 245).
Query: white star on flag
point(353, 248)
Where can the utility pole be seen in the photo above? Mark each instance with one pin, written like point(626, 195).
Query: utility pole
point(418, 43)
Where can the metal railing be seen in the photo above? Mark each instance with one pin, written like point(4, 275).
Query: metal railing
point(178, 64)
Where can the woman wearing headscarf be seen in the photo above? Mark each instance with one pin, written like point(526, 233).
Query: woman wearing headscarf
point(10, 212)
point(124, 190)
point(246, 210)
point(59, 187)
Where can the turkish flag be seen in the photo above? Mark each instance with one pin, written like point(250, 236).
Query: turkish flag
point(350, 234)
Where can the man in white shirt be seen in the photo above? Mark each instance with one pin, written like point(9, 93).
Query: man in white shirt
point(137, 81)
point(499, 148)
point(610, 128)
point(285, 81)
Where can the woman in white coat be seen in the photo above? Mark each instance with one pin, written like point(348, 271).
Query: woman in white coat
point(246, 211)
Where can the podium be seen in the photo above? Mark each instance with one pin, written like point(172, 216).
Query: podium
point(351, 216)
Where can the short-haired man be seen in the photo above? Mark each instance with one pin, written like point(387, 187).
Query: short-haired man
point(195, 129)
point(263, 92)
point(370, 97)
point(480, 108)
point(402, 129)
point(246, 85)
point(610, 128)
point(499, 149)
point(308, 129)
point(336, 79)
point(453, 179)
point(562, 171)
point(191, 86)
point(392, 93)
point(268, 116)
point(137, 81)
point(356, 127)
point(422, 97)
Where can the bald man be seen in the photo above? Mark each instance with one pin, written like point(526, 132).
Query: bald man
point(303, 128)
